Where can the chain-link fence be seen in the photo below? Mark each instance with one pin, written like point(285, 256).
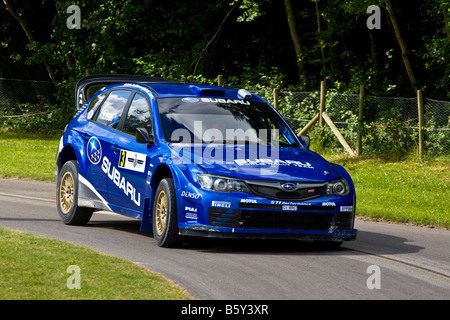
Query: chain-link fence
point(389, 125)
point(27, 104)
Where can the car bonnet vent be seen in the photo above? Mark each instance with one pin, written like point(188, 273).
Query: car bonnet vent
point(207, 91)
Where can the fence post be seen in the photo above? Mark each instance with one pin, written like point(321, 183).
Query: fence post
point(276, 93)
point(360, 119)
point(220, 80)
point(421, 122)
point(322, 101)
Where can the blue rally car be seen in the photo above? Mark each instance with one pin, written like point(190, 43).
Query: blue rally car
point(196, 160)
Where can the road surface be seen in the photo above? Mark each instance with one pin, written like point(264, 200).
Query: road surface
point(387, 261)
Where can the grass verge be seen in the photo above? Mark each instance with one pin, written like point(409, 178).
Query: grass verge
point(404, 191)
point(34, 267)
point(28, 155)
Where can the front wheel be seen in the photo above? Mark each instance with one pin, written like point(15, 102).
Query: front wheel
point(165, 220)
point(67, 196)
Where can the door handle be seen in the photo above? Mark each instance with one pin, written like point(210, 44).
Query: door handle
point(85, 136)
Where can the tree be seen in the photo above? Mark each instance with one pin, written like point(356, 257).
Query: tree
point(296, 40)
point(401, 43)
point(30, 37)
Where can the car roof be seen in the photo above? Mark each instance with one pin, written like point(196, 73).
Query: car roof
point(162, 88)
point(175, 89)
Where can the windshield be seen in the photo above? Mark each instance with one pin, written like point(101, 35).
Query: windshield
point(218, 120)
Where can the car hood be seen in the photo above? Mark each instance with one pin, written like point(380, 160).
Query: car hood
point(248, 162)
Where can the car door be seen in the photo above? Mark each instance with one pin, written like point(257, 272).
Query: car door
point(127, 195)
point(99, 134)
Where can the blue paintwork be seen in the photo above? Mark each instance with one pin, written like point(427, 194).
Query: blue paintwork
point(192, 201)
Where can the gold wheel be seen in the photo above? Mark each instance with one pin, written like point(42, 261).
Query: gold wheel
point(161, 212)
point(66, 192)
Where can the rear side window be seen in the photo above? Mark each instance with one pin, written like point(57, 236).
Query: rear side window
point(95, 103)
point(111, 109)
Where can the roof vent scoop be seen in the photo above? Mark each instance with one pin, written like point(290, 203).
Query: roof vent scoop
point(207, 91)
point(244, 94)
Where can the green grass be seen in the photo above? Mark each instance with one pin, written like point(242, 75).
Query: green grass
point(34, 267)
point(407, 192)
point(28, 155)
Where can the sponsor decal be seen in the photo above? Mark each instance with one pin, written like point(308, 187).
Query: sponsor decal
point(190, 212)
point(289, 208)
point(114, 175)
point(249, 201)
point(191, 195)
point(276, 162)
point(132, 160)
point(346, 208)
point(190, 215)
point(94, 150)
point(328, 204)
point(287, 203)
point(221, 204)
point(190, 100)
point(190, 209)
point(141, 88)
point(219, 100)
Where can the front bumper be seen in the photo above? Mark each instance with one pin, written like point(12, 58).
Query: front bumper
point(244, 215)
point(212, 232)
point(270, 222)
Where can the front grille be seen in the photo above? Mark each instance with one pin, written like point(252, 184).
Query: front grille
point(273, 190)
point(259, 219)
point(280, 207)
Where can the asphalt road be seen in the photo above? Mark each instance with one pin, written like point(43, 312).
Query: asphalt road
point(387, 261)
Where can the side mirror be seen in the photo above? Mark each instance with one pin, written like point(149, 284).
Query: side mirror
point(305, 140)
point(142, 136)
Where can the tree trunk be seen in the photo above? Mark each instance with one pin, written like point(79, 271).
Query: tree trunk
point(197, 60)
point(446, 22)
point(319, 31)
point(373, 51)
point(401, 43)
point(30, 37)
point(296, 41)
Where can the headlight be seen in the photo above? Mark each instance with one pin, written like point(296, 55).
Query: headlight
point(221, 184)
point(339, 187)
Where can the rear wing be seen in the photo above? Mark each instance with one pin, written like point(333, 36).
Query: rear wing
point(106, 79)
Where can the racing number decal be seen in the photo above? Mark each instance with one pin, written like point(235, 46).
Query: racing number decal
point(123, 156)
point(132, 161)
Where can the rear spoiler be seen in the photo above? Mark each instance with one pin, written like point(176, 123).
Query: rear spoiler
point(106, 79)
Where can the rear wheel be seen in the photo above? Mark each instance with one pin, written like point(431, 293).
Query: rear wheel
point(67, 196)
point(165, 220)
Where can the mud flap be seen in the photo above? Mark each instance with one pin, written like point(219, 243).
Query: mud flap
point(146, 222)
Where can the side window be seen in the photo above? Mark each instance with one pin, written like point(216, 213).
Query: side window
point(95, 103)
point(139, 115)
point(111, 110)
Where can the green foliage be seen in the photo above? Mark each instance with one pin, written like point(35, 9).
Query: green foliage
point(253, 50)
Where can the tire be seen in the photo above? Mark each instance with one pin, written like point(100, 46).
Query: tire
point(67, 196)
point(165, 217)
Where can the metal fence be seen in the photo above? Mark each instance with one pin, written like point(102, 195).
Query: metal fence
point(26, 104)
point(389, 125)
